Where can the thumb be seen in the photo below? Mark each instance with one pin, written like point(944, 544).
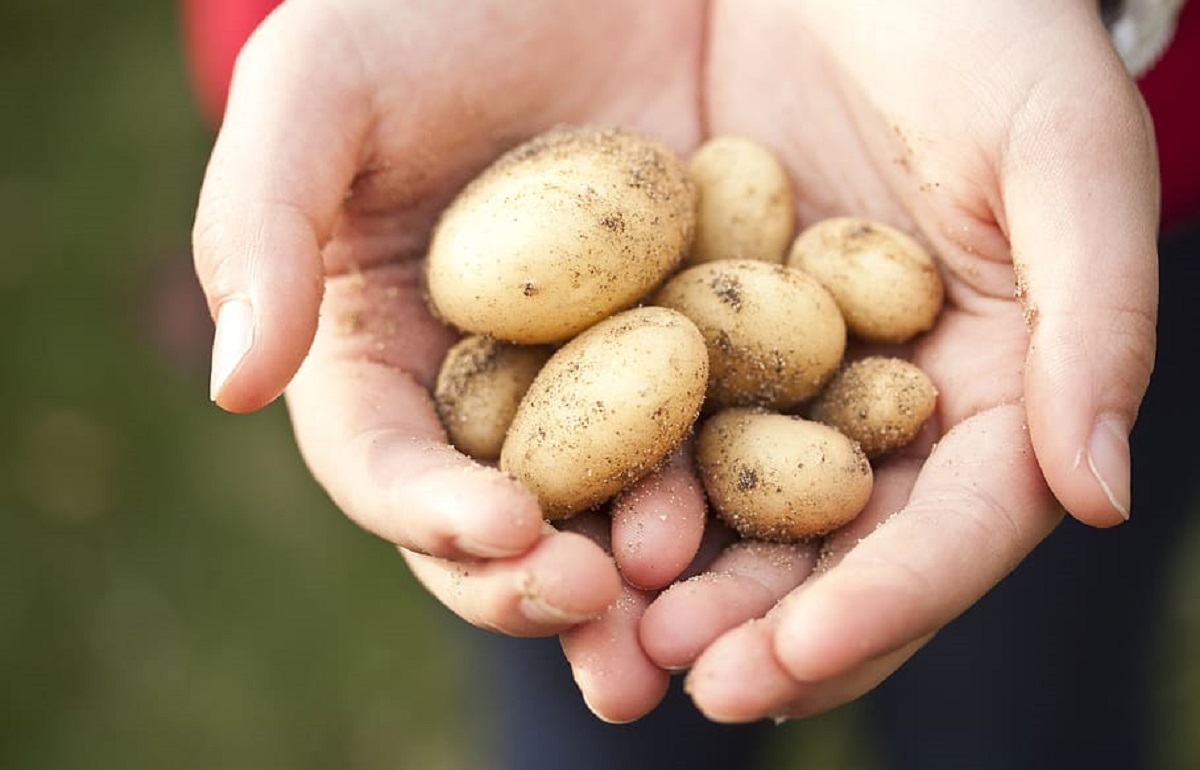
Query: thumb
point(1080, 193)
point(271, 193)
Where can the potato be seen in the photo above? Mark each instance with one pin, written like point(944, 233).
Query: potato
point(747, 208)
point(560, 233)
point(779, 477)
point(607, 408)
point(774, 335)
point(878, 401)
point(478, 388)
point(885, 283)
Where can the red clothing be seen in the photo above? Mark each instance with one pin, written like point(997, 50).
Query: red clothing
point(1172, 91)
point(216, 29)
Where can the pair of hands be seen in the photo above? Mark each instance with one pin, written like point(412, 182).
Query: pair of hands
point(1005, 133)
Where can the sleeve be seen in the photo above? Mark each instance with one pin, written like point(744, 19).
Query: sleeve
point(213, 32)
point(1141, 29)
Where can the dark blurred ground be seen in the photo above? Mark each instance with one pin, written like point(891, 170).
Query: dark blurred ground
point(175, 592)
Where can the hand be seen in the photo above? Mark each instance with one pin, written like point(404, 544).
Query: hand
point(1008, 136)
point(351, 123)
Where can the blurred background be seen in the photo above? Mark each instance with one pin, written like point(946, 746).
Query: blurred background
point(175, 591)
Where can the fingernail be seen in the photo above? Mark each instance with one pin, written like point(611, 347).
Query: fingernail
point(1108, 460)
point(469, 544)
point(231, 341)
point(540, 612)
point(535, 607)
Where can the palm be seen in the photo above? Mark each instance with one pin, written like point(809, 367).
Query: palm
point(769, 79)
point(493, 78)
point(515, 74)
point(859, 145)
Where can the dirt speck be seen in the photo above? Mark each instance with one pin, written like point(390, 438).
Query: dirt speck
point(747, 479)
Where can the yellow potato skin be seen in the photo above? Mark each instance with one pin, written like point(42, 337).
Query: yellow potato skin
point(560, 233)
point(479, 385)
point(607, 408)
point(746, 208)
point(879, 401)
point(775, 336)
point(887, 285)
point(778, 477)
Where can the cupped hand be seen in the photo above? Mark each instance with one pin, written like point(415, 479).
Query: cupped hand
point(351, 123)
point(1008, 137)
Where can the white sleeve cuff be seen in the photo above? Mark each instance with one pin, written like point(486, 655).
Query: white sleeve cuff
point(1141, 31)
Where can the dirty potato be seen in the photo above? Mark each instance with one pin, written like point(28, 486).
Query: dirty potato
point(779, 477)
point(879, 401)
point(885, 283)
point(560, 233)
point(479, 385)
point(746, 208)
point(607, 409)
point(774, 335)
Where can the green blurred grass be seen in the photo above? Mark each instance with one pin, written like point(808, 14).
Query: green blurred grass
point(174, 589)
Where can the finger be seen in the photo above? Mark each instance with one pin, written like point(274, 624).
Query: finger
point(739, 679)
point(565, 579)
point(618, 681)
point(365, 424)
point(269, 200)
point(657, 525)
point(977, 508)
point(743, 583)
point(749, 578)
point(893, 482)
point(1080, 195)
point(716, 538)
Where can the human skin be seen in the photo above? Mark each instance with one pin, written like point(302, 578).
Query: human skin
point(1005, 134)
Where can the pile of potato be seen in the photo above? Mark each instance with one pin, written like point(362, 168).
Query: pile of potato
point(615, 299)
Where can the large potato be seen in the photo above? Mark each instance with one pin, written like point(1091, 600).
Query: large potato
point(480, 384)
point(560, 233)
point(774, 335)
point(747, 208)
point(607, 408)
point(778, 477)
point(885, 283)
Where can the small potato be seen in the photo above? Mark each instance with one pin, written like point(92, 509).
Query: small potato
point(774, 335)
point(885, 283)
point(778, 477)
point(559, 233)
point(478, 388)
point(880, 402)
point(607, 408)
point(747, 208)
